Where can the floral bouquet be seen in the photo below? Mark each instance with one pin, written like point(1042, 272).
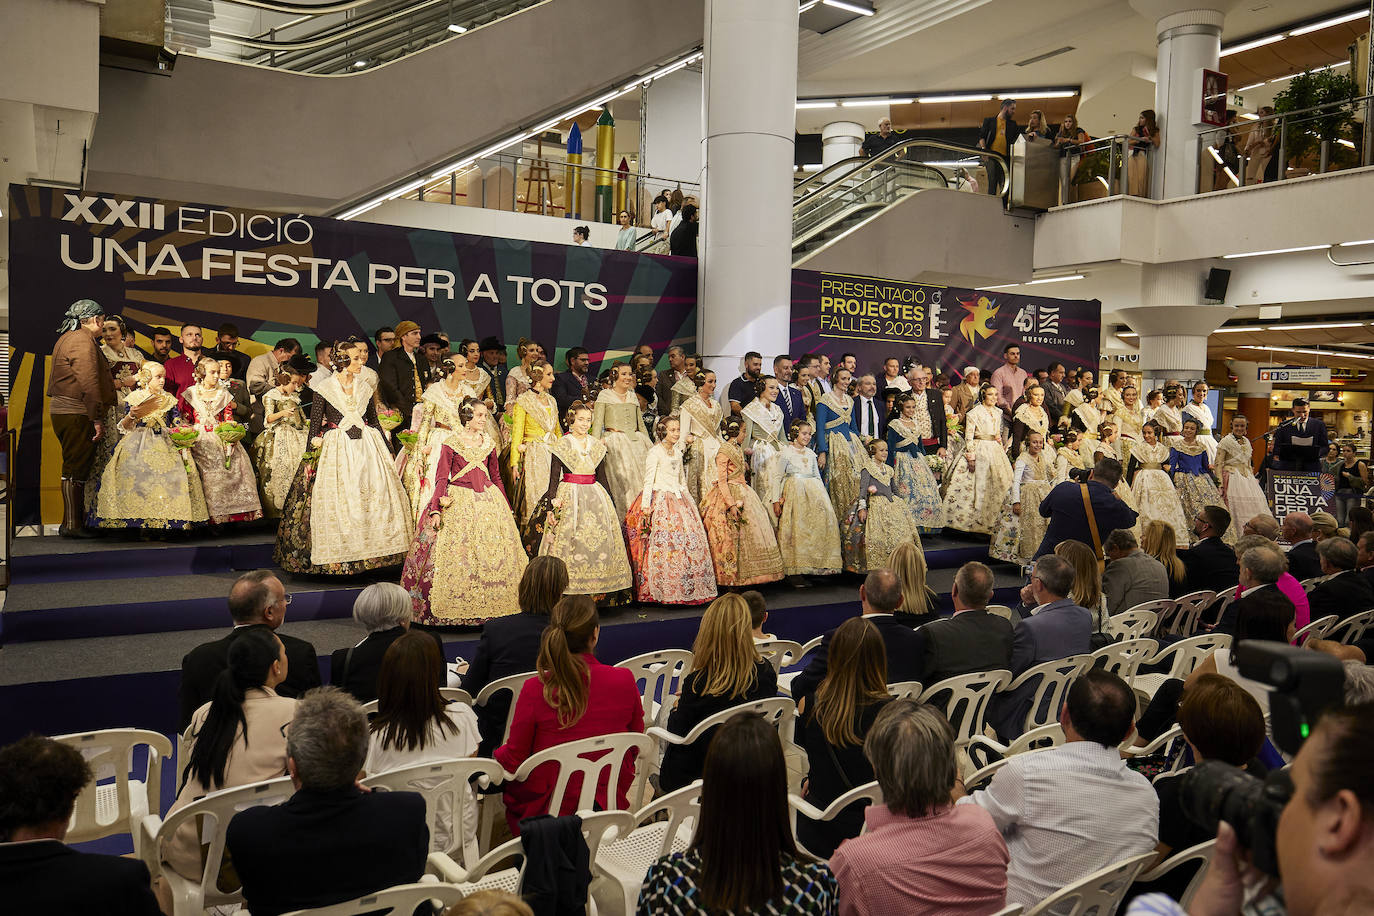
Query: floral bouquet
point(229, 432)
point(408, 439)
point(735, 515)
point(388, 418)
point(936, 463)
point(183, 436)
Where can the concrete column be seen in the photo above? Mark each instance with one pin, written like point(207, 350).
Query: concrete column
point(840, 140)
point(745, 250)
point(1252, 402)
point(1173, 326)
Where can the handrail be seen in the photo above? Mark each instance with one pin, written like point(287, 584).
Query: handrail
point(891, 153)
point(304, 9)
point(1279, 116)
point(349, 31)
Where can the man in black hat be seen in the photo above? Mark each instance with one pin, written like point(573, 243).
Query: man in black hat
point(80, 393)
point(433, 347)
point(494, 361)
point(1300, 442)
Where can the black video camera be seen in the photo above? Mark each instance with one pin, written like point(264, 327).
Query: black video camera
point(1306, 684)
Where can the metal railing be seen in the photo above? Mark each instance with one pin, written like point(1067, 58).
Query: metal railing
point(1311, 141)
point(1105, 167)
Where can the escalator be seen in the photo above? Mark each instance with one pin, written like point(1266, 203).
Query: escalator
point(322, 141)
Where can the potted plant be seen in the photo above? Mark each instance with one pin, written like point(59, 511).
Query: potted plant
point(1316, 132)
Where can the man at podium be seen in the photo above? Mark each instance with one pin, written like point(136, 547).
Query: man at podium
point(1299, 442)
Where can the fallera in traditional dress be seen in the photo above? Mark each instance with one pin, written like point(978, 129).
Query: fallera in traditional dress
point(808, 532)
point(1203, 414)
point(838, 439)
point(700, 419)
point(278, 449)
point(437, 413)
point(1129, 420)
point(123, 365)
point(764, 436)
point(148, 482)
point(1018, 536)
point(1156, 499)
point(534, 428)
point(1024, 421)
point(479, 388)
point(743, 547)
point(1171, 419)
point(668, 548)
point(1193, 480)
point(974, 500)
point(618, 423)
point(683, 390)
point(231, 493)
point(914, 481)
point(468, 571)
point(869, 544)
point(586, 535)
point(346, 511)
point(1123, 488)
point(1244, 498)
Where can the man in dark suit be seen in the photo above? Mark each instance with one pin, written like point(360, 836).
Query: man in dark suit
point(257, 599)
point(790, 399)
point(331, 841)
point(1300, 443)
point(40, 780)
point(573, 385)
point(1344, 592)
point(1364, 560)
point(972, 640)
point(870, 413)
point(1303, 561)
point(384, 609)
point(879, 596)
point(1063, 506)
point(1210, 564)
point(508, 646)
point(997, 135)
point(676, 372)
point(402, 371)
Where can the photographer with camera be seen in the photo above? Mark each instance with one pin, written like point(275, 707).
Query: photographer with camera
point(1086, 510)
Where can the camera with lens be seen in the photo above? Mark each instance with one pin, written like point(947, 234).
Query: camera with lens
point(1305, 684)
point(1079, 475)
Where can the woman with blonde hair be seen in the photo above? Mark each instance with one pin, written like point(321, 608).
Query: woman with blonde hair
point(726, 671)
point(1087, 579)
point(908, 564)
point(833, 728)
point(519, 380)
point(572, 696)
point(490, 903)
point(1159, 542)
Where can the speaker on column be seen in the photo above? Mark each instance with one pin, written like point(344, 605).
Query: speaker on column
point(1217, 281)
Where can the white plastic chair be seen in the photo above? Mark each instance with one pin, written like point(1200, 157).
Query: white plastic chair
point(1137, 623)
point(785, 680)
point(658, 675)
point(1036, 739)
point(1184, 656)
point(192, 897)
point(1166, 738)
point(1014, 910)
point(663, 827)
point(1309, 584)
point(1316, 629)
point(797, 805)
point(510, 685)
point(979, 777)
point(1201, 852)
point(395, 901)
point(450, 695)
point(968, 696)
point(1190, 608)
point(484, 875)
point(1099, 893)
point(1001, 610)
point(1352, 629)
point(905, 690)
point(571, 759)
point(1125, 658)
point(1051, 681)
point(111, 808)
point(780, 712)
point(779, 652)
point(444, 786)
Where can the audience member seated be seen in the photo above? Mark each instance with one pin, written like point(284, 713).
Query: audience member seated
point(1364, 560)
point(1086, 591)
point(385, 611)
point(1211, 564)
point(1071, 810)
point(919, 603)
point(971, 640)
point(331, 841)
point(1132, 576)
point(758, 615)
point(833, 728)
point(1158, 540)
point(1303, 562)
point(40, 780)
point(414, 725)
point(1260, 569)
point(238, 738)
point(510, 645)
point(1344, 591)
point(572, 697)
point(1324, 526)
point(742, 858)
point(490, 903)
point(1291, 587)
point(257, 599)
point(920, 854)
point(726, 671)
point(879, 597)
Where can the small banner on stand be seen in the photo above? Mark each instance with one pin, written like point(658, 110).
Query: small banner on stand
point(1299, 491)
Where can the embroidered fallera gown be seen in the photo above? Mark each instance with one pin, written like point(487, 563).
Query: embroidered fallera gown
point(123, 365)
point(148, 482)
point(808, 532)
point(1193, 479)
point(1024, 421)
point(975, 496)
point(346, 511)
point(869, 544)
point(1018, 536)
point(1155, 496)
point(534, 428)
point(838, 439)
point(617, 422)
point(914, 481)
point(278, 448)
point(700, 419)
point(668, 548)
point(1203, 414)
point(1128, 423)
point(231, 493)
point(1244, 498)
point(479, 388)
point(468, 571)
point(764, 434)
point(743, 546)
point(586, 534)
point(438, 416)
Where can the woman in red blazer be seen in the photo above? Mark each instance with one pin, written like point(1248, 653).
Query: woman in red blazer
point(573, 696)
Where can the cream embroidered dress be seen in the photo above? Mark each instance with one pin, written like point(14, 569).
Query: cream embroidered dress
point(438, 417)
point(764, 434)
point(683, 390)
point(838, 440)
point(231, 492)
point(1155, 495)
point(1203, 414)
point(701, 421)
point(868, 543)
point(148, 482)
point(1128, 423)
point(278, 448)
point(1244, 498)
point(975, 496)
point(586, 532)
point(1169, 417)
point(668, 547)
point(480, 388)
point(618, 423)
point(1018, 536)
point(808, 532)
point(534, 428)
point(743, 545)
point(914, 481)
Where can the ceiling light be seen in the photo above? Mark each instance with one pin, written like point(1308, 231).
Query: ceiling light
point(1323, 326)
point(1345, 354)
point(1231, 175)
point(1249, 116)
point(1257, 254)
point(1353, 244)
point(456, 28)
point(1251, 86)
point(1056, 94)
point(812, 166)
point(1252, 44)
point(1127, 334)
point(1055, 279)
point(1344, 142)
point(852, 7)
point(1328, 23)
point(869, 103)
point(801, 105)
point(808, 5)
point(357, 64)
point(1215, 155)
point(939, 99)
point(1253, 330)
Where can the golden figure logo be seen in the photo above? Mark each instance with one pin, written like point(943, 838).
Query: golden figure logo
point(977, 323)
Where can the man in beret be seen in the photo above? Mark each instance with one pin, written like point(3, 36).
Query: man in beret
point(401, 378)
point(80, 392)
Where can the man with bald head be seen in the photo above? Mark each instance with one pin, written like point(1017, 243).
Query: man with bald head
point(974, 639)
point(1303, 562)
